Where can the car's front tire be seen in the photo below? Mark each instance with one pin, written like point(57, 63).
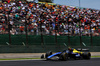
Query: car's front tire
point(48, 54)
point(64, 57)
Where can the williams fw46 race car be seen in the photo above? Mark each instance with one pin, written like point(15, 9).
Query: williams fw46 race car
point(67, 54)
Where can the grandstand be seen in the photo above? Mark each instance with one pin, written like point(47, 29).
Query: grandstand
point(44, 25)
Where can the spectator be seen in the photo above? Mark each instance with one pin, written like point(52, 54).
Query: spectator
point(59, 18)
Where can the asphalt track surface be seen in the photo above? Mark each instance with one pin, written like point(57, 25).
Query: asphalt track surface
point(91, 62)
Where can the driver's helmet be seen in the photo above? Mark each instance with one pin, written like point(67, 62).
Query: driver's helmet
point(70, 49)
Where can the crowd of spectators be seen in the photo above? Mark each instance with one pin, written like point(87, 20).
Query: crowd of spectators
point(49, 19)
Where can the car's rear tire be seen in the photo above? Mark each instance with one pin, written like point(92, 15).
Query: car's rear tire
point(87, 55)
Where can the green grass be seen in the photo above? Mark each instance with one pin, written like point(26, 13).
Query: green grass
point(33, 58)
point(19, 58)
point(95, 56)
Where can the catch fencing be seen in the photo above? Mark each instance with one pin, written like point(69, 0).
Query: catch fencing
point(50, 40)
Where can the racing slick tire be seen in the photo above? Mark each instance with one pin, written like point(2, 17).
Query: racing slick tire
point(64, 57)
point(48, 54)
point(42, 56)
point(87, 55)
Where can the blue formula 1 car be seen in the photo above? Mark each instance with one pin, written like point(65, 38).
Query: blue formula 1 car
point(67, 54)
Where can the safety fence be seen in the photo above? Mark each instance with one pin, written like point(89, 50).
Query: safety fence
point(49, 40)
point(40, 49)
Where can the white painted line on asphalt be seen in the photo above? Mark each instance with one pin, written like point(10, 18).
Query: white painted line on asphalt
point(22, 60)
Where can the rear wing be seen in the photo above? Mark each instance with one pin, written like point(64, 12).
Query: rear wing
point(83, 50)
